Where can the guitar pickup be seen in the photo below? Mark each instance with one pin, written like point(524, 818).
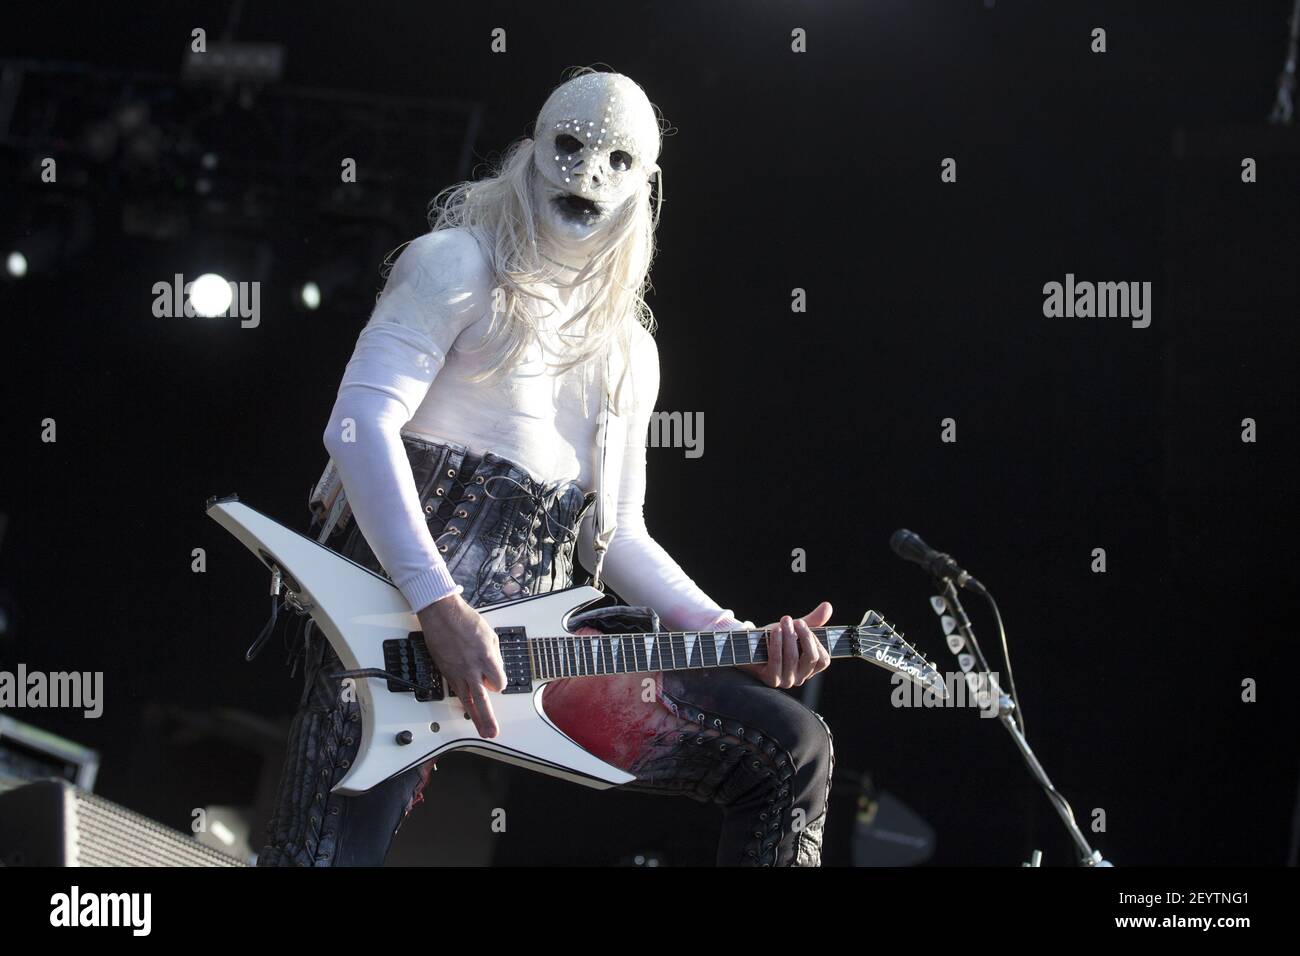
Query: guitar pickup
point(513, 644)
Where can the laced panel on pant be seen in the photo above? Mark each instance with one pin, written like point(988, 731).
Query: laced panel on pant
point(808, 845)
point(745, 769)
point(305, 828)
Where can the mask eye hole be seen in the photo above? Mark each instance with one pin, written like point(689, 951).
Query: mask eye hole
point(566, 144)
point(620, 161)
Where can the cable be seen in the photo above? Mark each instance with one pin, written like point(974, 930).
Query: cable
point(256, 647)
point(1006, 657)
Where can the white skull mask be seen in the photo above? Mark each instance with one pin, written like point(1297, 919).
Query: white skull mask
point(597, 138)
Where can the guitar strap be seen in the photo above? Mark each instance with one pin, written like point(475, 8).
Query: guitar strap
point(604, 530)
point(328, 503)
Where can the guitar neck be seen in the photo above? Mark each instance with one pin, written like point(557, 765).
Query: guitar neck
point(578, 655)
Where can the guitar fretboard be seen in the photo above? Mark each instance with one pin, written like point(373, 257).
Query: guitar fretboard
point(578, 655)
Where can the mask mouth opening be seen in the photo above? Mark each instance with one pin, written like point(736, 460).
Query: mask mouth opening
point(578, 209)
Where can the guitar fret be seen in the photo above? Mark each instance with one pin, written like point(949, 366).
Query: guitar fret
point(579, 655)
point(576, 655)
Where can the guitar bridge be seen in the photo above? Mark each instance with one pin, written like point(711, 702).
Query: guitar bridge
point(408, 658)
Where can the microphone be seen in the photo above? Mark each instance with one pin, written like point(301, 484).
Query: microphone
point(909, 546)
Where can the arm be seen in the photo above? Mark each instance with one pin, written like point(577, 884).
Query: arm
point(636, 565)
point(437, 288)
point(644, 573)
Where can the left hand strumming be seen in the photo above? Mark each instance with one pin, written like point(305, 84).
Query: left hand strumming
point(793, 652)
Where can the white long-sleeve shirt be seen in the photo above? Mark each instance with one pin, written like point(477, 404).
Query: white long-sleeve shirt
point(416, 369)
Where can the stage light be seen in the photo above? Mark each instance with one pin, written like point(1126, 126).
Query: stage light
point(51, 235)
point(222, 832)
point(340, 278)
point(310, 295)
point(210, 295)
point(332, 283)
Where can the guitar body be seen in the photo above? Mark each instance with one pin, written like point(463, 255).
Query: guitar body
point(358, 611)
point(526, 735)
point(408, 716)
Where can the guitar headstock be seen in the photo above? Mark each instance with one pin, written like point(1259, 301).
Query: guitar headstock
point(875, 641)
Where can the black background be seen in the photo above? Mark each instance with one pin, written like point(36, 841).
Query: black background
point(818, 171)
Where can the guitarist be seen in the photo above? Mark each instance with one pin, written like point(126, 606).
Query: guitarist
point(475, 438)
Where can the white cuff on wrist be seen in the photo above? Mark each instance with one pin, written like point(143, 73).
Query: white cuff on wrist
point(429, 586)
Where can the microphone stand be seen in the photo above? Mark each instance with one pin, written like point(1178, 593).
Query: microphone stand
point(1087, 855)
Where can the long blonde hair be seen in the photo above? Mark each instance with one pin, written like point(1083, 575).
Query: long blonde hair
point(498, 211)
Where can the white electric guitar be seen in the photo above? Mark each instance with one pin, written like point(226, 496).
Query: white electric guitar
point(408, 716)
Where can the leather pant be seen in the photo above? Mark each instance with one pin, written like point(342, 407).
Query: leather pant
point(717, 736)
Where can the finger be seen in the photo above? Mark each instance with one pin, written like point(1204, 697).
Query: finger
point(772, 672)
point(493, 674)
point(819, 615)
point(823, 657)
point(808, 656)
point(480, 711)
point(466, 701)
point(789, 651)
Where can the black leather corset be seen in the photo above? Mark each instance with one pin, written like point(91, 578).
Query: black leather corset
point(502, 534)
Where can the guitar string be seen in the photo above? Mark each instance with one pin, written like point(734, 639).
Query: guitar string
point(563, 655)
point(565, 652)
